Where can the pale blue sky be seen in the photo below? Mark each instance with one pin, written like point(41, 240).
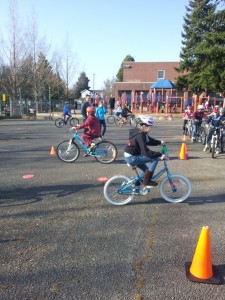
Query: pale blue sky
point(102, 33)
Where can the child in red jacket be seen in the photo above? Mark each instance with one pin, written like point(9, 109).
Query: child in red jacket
point(93, 127)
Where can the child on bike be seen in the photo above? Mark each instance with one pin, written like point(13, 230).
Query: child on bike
point(66, 112)
point(188, 115)
point(137, 153)
point(92, 125)
point(197, 117)
point(216, 119)
point(125, 112)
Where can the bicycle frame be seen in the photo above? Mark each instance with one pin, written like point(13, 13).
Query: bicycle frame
point(130, 188)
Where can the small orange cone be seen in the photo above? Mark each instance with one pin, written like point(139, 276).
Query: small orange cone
point(183, 151)
point(201, 268)
point(52, 151)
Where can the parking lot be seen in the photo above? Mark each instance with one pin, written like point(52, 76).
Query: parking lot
point(60, 239)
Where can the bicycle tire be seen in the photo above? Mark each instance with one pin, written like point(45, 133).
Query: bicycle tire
point(112, 187)
point(119, 122)
point(213, 146)
point(106, 152)
point(74, 122)
point(202, 133)
point(133, 123)
point(183, 188)
point(59, 122)
point(111, 119)
point(222, 142)
point(68, 155)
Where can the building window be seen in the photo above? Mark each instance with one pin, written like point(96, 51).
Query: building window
point(161, 74)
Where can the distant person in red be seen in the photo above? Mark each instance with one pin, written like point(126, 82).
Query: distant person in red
point(93, 127)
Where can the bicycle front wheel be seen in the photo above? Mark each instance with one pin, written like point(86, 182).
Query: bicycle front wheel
point(74, 122)
point(114, 188)
point(181, 190)
point(222, 142)
point(202, 135)
point(68, 152)
point(105, 152)
point(213, 146)
point(59, 122)
point(111, 119)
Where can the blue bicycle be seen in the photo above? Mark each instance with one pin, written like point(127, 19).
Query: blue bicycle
point(103, 151)
point(120, 189)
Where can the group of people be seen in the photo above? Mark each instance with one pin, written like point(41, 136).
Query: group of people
point(215, 119)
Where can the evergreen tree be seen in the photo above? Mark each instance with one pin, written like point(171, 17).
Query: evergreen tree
point(203, 51)
point(81, 84)
point(119, 75)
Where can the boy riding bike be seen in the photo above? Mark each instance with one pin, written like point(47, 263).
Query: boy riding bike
point(216, 119)
point(137, 153)
point(188, 115)
point(66, 112)
point(197, 117)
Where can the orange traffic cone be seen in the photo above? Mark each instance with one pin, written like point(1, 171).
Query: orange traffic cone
point(52, 151)
point(183, 151)
point(201, 268)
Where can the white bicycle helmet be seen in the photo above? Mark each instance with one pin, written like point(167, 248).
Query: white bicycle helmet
point(201, 107)
point(147, 120)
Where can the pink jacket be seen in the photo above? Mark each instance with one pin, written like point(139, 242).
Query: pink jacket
point(188, 115)
point(93, 125)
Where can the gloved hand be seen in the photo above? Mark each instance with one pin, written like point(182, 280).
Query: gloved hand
point(74, 128)
point(164, 157)
point(163, 143)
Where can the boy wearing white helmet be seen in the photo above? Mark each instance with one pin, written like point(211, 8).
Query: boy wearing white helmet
point(197, 117)
point(137, 153)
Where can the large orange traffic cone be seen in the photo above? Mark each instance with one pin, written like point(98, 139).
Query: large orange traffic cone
point(53, 151)
point(183, 151)
point(201, 268)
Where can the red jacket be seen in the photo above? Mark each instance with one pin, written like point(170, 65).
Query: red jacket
point(93, 125)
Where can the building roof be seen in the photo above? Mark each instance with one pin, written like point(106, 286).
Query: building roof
point(163, 84)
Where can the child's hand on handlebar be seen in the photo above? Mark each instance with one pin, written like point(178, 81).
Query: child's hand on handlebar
point(164, 157)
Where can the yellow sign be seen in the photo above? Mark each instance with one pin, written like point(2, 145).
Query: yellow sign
point(3, 97)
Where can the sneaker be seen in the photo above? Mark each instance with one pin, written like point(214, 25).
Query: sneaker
point(217, 151)
point(206, 148)
point(192, 140)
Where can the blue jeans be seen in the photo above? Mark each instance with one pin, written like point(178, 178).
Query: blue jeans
point(140, 161)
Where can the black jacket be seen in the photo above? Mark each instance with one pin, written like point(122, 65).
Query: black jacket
point(84, 107)
point(138, 142)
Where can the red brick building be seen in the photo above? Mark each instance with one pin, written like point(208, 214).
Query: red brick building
point(139, 76)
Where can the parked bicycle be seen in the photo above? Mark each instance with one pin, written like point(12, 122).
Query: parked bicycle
point(217, 139)
point(103, 151)
point(120, 189)
point(60, 122)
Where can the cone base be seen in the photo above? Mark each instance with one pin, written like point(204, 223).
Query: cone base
point(216, 279)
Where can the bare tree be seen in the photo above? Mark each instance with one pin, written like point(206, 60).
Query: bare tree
point(14, 50)
point(108, 87)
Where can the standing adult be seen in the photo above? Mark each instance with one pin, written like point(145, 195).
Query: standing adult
point(111, 104)
point(84, 107)
point(100, 114)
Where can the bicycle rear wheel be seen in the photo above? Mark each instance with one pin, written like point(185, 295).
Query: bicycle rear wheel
point(115, 185)
point(68, 152)
point(105, 152)
point(59, 122)
point(74, 122)
point(111, 119)
point(180, 193)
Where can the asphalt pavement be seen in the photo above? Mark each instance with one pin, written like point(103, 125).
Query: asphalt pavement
point(60, 239)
